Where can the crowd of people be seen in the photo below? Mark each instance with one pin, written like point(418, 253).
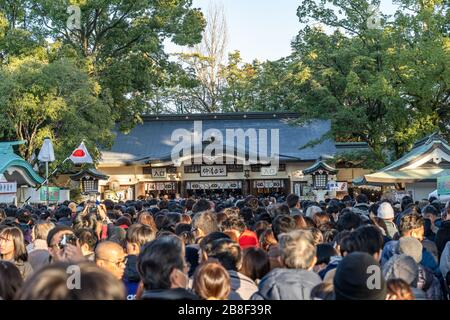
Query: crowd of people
point(244, 248)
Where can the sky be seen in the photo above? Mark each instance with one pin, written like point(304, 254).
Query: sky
point(261, 29)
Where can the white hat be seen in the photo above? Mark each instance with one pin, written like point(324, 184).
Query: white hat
point(385, 211)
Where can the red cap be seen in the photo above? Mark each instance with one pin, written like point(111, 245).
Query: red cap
point(247, 239)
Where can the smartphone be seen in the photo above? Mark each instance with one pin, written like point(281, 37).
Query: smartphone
point(68, 239)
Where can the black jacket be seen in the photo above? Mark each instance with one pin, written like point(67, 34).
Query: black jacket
point(442, 236)
point(131, 274)
point(169, 294)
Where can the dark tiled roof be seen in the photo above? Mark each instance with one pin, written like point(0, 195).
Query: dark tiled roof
point(91, 172)
point(320, 165)
point(151, 140)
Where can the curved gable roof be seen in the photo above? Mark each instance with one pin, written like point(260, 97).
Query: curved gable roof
point(9, 161)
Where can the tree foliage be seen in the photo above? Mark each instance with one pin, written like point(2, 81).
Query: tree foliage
point(73, 83)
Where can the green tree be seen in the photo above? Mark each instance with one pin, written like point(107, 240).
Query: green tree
point(73, 84)
point(386, 86)
point(54, 98)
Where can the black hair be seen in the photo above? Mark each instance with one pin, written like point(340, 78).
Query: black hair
point(362, 198)
point(205, 243)
point(201, 205)
point(407, 201)
point(367, 239)
point(430, 209)
point(281, 209)
point(349, 221)
point(283, 224)
point(227, 252)
point(87, 236)
point(10, 280)
point(292, 200)
point(158, 259)
point(324, 253)
point(63, 212)
point(54, 231)
point(182, 227)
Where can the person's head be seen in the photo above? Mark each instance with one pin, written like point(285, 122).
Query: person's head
point(324, 252)
point(362, 198)
point(51, 283)
point(411, 247)
point(255, 263)
point(349, 221)
point(137, 236)
point(385, 211)
point(398, 289)
point(323, 291)
point(317, 235)
point(88, 240)
point(12, 244)
point(311, 210)
point(283, 224)
point(10, 280)
point(292, 200)
point(430, 212)
point(228, 253)
point(354, 273)
point(297, 250)
point(63, 212)
point(204, 223)
point(280, 209)
point(147, 219)
point(320, 218)
point(368, 239)
point(407, 201)
point(234, 224)
point(54, 237)
point(41, 229)
point(189, 204)
point(333, 211)
point(201, 205)
point(111, 257)
point(412, 225)
point(401, 266)
point(267, 239)
point(211, 281)
point(161, 264)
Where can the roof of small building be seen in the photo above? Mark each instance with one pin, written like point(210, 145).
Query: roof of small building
point(426, 161)
point(151, 140)
point(320, 165)
point(90, 173)
point(9, 159)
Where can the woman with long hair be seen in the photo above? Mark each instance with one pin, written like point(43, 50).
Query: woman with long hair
point(12, 249)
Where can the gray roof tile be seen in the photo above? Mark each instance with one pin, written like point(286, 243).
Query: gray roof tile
point(152, 139)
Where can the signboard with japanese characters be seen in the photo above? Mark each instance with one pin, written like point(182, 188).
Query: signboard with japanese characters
point(213, 185)
point(269, 184)
point(213, 171)
point(160, 186)
point(337, 186)
point(159, 172)
point(269, 171)
point(8, 187)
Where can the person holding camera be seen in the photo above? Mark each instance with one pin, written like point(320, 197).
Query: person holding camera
point(63, 245)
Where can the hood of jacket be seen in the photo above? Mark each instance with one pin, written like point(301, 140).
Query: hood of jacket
point(287, 284)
